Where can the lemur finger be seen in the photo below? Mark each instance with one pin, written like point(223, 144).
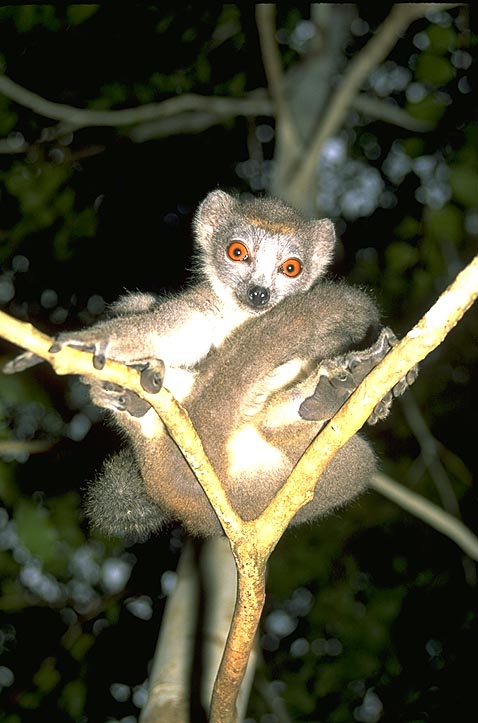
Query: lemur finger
point(21, 362)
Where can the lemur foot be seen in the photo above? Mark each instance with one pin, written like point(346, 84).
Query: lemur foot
point(340, 376)
point(114, 397)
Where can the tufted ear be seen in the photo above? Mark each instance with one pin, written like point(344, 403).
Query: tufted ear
point(322, 240)
point(211, 213)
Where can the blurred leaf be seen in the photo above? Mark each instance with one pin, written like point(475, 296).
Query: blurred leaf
point(36, 530)
point(18, 388)
point(409, 227)
point(442, 40)
point(8, 118)
point(77, 14)
point(8, 489)
point(13, 595)
point(28, 16)
point(429, 109)
point(444, 224)
point(36, 188)
point(413, 146)
point(433, 70)
point(401, 256)
point(73, 698)
point(203, 69)
point(29, 700)
point(65, 516)
point(112, 94)
point(82, 645)
point(8, 566)
point(464, 183)
point(47, 677)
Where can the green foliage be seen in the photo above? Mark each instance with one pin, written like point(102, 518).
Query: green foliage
point(77, 14)
point(444, 224)
point(8, 118)
point(28, 17)
point(433, 70)
point(47, 676)
point(429, 109)
point(47, 201)
point(73, 697)
point(36, 531)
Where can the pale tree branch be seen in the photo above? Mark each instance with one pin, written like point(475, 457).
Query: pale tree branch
point(430, 513)
point(299, 488)
point(169, 681)
point(253, 541)
point(255, 103)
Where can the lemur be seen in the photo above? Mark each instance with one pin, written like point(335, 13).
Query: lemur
point(254, 383)
point(257, 403)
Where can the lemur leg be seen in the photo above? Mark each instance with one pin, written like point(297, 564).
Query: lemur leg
point(340, 376)
point(117, 503)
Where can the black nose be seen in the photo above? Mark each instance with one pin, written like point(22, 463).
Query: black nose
point(258, 295)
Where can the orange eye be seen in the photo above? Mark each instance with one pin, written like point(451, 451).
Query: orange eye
point(237, 251)
point(291, 268)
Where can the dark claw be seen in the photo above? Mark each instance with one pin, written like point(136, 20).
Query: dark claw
point(99, 361)
point(151, 377)
point(133, 404)
point(55, 347)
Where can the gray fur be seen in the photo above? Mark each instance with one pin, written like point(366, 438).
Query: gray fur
point(238, 388)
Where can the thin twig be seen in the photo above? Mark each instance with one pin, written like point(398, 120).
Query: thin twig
point(430, 454)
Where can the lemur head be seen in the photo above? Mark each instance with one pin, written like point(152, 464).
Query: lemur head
point(257, 251)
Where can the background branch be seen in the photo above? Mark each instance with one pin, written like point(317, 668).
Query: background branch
point(223, 107)
point(425, 510)
point(359, 68)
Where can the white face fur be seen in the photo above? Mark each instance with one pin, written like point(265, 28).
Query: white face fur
point(256, 252)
